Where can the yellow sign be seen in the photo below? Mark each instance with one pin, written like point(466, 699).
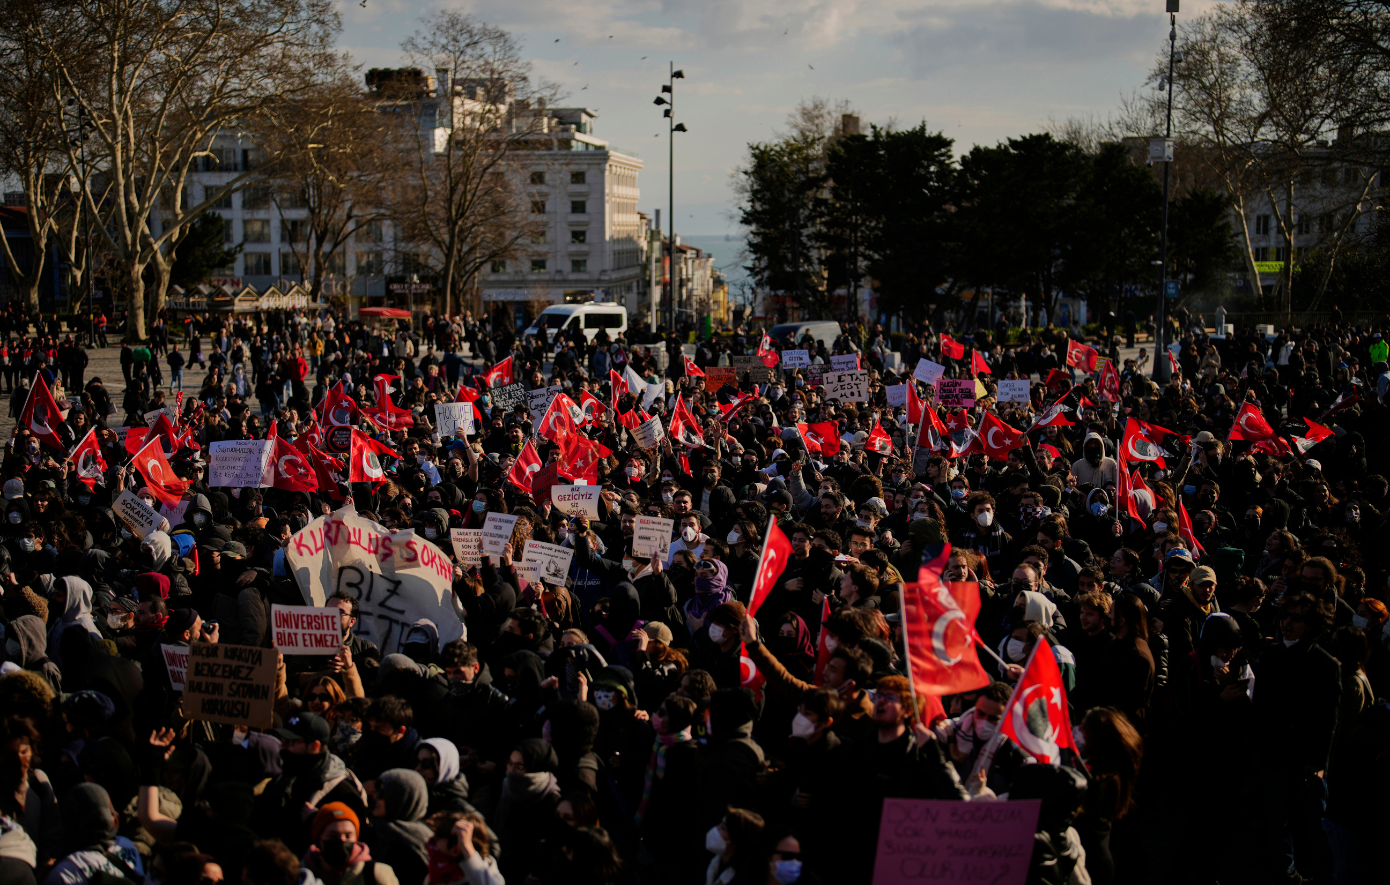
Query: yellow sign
point(1269, 267)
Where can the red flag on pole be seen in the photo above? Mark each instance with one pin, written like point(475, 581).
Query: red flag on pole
point(338, 409)
point(822, 649)
point(1081, 356)
point(914, 403)
point(1185, 532)
point(499, 374)
point(526, 464)
point(87, 458)
point(977, 364)
point(288, 468)
point(1036, 718)
point(951, 348)
point(878, 441)
point(365, 466)
point(1140, 442)
point(1109, 388)
point(997, 438)
point(41, 415)
point(693, 370)
point(159, 475)
point(1316, 434)
point(683, 428)
point(938, 622)
point(777, 551)
point(1249, 425)
point(766, 354)
point(825, 435)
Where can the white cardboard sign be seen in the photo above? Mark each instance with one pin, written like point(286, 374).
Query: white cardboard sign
point(847, 387)
point(1015, 391)
point(845, 362)
point(135, 513)
point(538, 400)
point(553, 560)
point(897, 394)
point(652, 534)
point(576, 500)
point(306, 629)
point(176, 662)
point(239, 463)
point(497, 531)
point(454, 419)
point(468, 546)
point(928, 372)
point(796, 359)
point(649, 433)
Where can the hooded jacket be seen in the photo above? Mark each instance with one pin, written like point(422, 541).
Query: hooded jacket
point(1098, 474)
point(401, 836)
point(89, 824)
point(76, 613)
point(28, 631)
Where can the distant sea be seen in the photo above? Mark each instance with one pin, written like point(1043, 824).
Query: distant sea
point(727, 253)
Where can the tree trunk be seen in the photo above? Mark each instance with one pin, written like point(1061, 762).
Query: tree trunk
point(135, 301)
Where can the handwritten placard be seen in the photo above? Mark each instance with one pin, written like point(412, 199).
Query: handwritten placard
point(468, 546)
point(956, 391)
point(897, 394)
point(508, 396)
point(1015, 391)
point(847, 387)
point(239, 463)
point(306, 629)
point(718, 376)
point(497, 531)
point(135, 513)
point(454, 419)
point(227, 683)
point(576, 500)
point(796, 359)
point(928, 372)
point(649, 433)
point(176, 663)
point(924, 841)
point(845, 362)
point(552, 560)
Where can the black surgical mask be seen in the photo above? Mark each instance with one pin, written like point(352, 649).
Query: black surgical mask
point(336, 852)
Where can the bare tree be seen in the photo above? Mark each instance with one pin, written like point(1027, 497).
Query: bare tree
point(159, 81)
point(462, 203)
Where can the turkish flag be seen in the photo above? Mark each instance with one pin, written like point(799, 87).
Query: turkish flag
point(499, 374)
point(1185, 532)
point(1140, 442)
point(997, 438)
point(777, 552)
point(1036, 718)
point(162, 429)
point(631, 419)
point(526, 464)
point(364, 463)
point(878, 441)
point(1082, 356)
point(470, 395)
point(581, 459)
point(288, 468)
point(617, 386)
point(41, 415)
point(914, 403)
point(1109, 388)
point(338, 409)
point(826, 435)
point(558, 424)
point(1124, 490)
point(822, 649)
point(749, 677)
point(1274, 445)
point(87, 458)
point(159, 476)
point(1056, 380)
point(327, 468)
point(592, 407)
point(932, 434)
point(978, 364)
point(951, 349)
point(683, 428)
point(766, 354)
point(1316, 434)
point(938, 622)
point(1249, 425)
point(693, 370)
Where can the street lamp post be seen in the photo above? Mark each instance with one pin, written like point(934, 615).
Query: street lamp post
point(78, 134)
point(1160, 371)
point(672, 127)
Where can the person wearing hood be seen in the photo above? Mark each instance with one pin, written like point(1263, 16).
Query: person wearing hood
point(526, 806)
point(624, 738)
point(198, 518)
point(437, 761)
point(89, 826)
point(711, 591)
point(337, 856)
point(157, 555)
point(309, 776)
point(717, 644)
point(1094, 467)
point(614, 634)
point(400, 834)
point(1058, 856)
point(728, 774)
point(71, 596)
point(26, 645)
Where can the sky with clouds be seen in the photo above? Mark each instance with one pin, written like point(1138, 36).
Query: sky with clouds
point(980, 71)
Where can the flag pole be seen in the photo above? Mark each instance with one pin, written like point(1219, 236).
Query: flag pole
point(907, 657)
point(986, 758)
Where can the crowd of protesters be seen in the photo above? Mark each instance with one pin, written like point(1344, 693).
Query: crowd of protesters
point(1223, 678)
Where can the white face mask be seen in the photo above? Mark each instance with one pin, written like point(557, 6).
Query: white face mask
point(864, 523)
point(1217, 663)
point(716, 634)
point(1016, 650)
point(732, 537)
point(831, 643)
point(714, 843)
point(689, 534)
point(736, 460)
point(985, 519)
point(1290, 643)
point(1359, 622)
point(666, 497)
point(802, 727)
point(1160, 528)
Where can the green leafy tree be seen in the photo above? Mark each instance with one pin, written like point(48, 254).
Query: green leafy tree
point(784, 211)
point(1201, 242)
point(1116, 229)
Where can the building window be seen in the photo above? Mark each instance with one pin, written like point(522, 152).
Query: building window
point(256, 196)
point(538, 237)
point(292, 199)
point(228, 231)
point(374, 232)
point(538, 178)
point(579, 236)
point(578, 207)
point(255, 230)
point(257, 264)
point(537, 265)
point(289, 264)
point(578, 178)
point(253, 158)
point(370, 264)
point(294, 230)
point(14, 198)
point(224, 202)
point(1261, 225)
point(499, 267)
point(538, 207)
point(1305, 225)
point(336, 263)
point(579, 265)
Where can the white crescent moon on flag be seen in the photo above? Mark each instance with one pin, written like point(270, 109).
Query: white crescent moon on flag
point(297, 471)
point(1244, 422)
point(534, 468)
point(938, 636)
point(39, 425)
point(370, 465)
point(1038, 745)
point(341, 415)
point(990, 438)
point(86, 464)
point(1136, 453)
point(154, 470)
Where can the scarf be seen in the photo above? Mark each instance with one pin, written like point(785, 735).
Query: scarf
point(153, 626)
point(1187, 591)
point(656, 768)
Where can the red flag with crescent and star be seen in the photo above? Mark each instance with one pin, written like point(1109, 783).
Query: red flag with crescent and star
point(41, 416)
point(499, 374)
point(951, 348)
point(159, 476)
point(825, 437)
point(766, 354)
point(617, 386)
point(288, 468)
point(1081, 356)
point(1140, 442)
point(364, 464)
point(1249, 425)
point(693, 370)
point(914, 403)
point(1109, 387)
point(997, 439)
point(527, 463)
point(878, 441)
point(89, 463)
point(338, 409)
point(1036, 718)
point(327, 468)
point(777, 552)
point(939, 630)
point(683, 428)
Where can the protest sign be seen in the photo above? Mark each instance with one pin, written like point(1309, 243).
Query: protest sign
point(553, 560)
point(576, 500)
point(135, 513)
point(1015, 391)
point(796, 359)
point(454, 419)
point(174, 514)
point(847, 387)
point(752, 367)
point(937, 841)
point(528, 571)
point(239, 463)
point(654, 392)
point(497, 531)
point(845, 362)
point(176, 663)
point(718, 376)
point(538, 400)
point(306, 630)
point(649, 433)
point(928, 372)
point(151, 417)
point(234, 684)
point(396, 577)
point(897, 394)
point(652, 534)
point(508, 396)
point(468, 546)
point(956, 391)
point(816, 374)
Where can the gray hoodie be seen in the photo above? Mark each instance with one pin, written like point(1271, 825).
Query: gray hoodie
point(28, 630)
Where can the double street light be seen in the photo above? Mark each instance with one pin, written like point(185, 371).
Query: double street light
point(672, 127)
point(1161, 151)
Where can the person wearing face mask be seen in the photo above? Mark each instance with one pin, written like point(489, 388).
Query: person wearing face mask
point(624, 740)
point(337, 855)
point(689, 537)
point(526, 806)
point(966, 735)
point(733, 841)
point(667, 820)
point(716, 646)
point(983, 533)
point(309, 775)
point(1094, 466)
point(780, 859)
point(811, 749)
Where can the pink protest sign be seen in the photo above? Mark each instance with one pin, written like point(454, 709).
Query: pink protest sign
point(925, 840)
